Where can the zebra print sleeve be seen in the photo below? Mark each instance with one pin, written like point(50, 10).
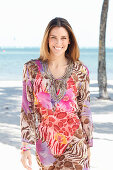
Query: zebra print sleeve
point(84, 110)
point(27, 117)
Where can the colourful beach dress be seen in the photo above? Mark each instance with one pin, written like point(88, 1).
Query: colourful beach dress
point(55, 115)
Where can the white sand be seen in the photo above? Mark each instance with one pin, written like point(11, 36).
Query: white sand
point(10, 103)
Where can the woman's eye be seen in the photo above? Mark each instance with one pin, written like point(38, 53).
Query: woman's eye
point(64, 38)
point(53, 37)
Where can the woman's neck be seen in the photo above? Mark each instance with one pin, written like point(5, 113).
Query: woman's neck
point(58, 62)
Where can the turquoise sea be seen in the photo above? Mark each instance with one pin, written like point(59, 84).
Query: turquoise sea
point(13, 59)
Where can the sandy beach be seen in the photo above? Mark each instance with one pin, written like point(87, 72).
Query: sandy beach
point(10, 141)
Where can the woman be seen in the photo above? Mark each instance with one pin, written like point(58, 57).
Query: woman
point(55, 112)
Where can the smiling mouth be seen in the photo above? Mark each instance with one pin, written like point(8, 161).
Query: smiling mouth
point(58, 48)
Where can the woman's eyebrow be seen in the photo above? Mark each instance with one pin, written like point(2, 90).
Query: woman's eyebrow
point(53, 35)
point(64, 36)
point(61, 36)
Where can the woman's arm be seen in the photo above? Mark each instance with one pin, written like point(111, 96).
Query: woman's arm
point(84, 109)
point(27, 117)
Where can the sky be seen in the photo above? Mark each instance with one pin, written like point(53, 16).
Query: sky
point(23, 22)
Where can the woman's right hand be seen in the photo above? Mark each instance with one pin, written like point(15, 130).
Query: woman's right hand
point(26, 159)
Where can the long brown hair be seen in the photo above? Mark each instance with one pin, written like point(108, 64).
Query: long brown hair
point(72, 51)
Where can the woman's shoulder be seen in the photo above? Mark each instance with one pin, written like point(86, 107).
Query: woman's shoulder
point(32, 64)
point(81, 71)
point(32, 67)
point(81, 67)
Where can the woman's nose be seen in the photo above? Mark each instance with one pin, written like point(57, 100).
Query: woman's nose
point(58, 41)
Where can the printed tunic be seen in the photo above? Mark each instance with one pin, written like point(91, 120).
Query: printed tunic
point(55, 115)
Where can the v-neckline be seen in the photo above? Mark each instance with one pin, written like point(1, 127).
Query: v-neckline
point(59, 82)
point(60, 77)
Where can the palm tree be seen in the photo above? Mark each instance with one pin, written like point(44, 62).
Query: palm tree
point(102, 77)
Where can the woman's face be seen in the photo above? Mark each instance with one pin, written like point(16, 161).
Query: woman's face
point(58, 41)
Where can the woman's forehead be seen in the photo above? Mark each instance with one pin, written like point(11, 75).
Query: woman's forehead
point(59, 31)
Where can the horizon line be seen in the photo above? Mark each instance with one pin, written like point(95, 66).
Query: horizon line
point(23, 47)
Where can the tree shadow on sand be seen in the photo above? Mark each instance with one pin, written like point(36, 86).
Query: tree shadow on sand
point(94, 93)
point(102, 107)
point(103, 128)
point(10, 107)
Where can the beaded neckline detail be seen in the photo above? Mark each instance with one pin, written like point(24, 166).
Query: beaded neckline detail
point(58, 86)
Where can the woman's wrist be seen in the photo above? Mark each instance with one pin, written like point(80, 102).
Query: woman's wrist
point(24, 144)
point(25, 148)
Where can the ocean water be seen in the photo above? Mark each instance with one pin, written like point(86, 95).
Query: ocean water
point(12, 61)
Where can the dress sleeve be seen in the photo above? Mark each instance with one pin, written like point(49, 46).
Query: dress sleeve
point(27, 117)
point(84, 112)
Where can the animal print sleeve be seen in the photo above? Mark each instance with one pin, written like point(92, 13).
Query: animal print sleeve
point(84, 109)
point(27, 118)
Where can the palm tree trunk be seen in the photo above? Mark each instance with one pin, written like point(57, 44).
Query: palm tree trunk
point(102, 77)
